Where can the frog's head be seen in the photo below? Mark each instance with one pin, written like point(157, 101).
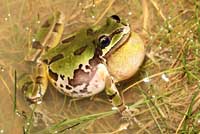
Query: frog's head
point(112, 35)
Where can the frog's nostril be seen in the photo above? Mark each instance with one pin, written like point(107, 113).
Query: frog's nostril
point(116, 18)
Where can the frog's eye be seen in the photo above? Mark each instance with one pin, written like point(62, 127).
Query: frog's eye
point(116, 18)
point(104, 41)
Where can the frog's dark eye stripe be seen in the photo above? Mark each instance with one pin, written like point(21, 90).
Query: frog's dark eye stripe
point(104, 41)
point(116, 32)
point(55, 58)
point(116, 18)
point(80, 50)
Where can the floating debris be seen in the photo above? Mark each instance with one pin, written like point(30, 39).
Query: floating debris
point(1, 131)
point(80, 4)
point(114, 108)
point(33, 40)
point(164, 77)
point(6, 19)
point(27, 28)
point(38, 22)
point(170, 26)
point(27, 123)
point(129, 13)
point(147, 80)
point(2, 69)
point(93, 5)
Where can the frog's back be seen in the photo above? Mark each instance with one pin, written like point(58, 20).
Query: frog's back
point(67, 57)
point(76, 68)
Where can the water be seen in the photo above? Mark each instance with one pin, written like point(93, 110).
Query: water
point(20, 19)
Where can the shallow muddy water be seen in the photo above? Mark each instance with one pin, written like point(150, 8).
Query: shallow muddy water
point(20, 19)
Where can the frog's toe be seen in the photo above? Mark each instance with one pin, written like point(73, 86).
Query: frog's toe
point(31, 96)
point(128, 117)
point(129, 114)
point(25, 87)
point(34, 100)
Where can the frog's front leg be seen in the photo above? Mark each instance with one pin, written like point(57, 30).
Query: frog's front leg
point(116, 99)
point(37, 89)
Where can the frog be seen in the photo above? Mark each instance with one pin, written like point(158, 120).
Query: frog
point(84, 63)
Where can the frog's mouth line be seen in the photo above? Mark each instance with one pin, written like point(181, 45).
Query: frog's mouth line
point(120, 43)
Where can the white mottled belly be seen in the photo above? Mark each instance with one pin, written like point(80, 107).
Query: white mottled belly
point(94, 85)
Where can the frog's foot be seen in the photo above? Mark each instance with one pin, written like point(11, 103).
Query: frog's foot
point(41, 115)
point(34, 88)
point(25, 84)
point(35, 98)
point(128, 115)
point(27, 90)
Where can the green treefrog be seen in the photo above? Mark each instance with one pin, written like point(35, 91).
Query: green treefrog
point(85, 63)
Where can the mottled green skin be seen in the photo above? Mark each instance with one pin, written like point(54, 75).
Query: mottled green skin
point(62, 62)
point(83, 38)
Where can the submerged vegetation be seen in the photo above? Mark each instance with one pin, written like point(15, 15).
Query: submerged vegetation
point(165, 93)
